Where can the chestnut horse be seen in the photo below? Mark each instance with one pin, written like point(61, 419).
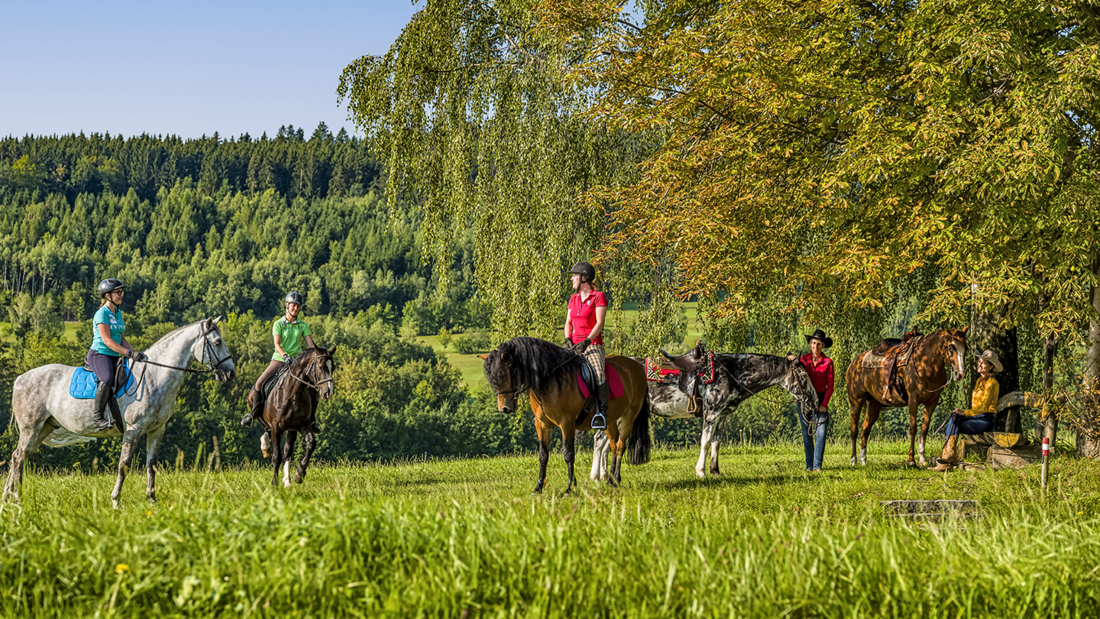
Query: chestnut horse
point(550, 373)
point(924, 377)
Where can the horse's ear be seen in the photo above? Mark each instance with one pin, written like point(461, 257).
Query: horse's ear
point(208, 324)
point(332, 351)
point(963, 330)
point(217, 320)
point(483, 357)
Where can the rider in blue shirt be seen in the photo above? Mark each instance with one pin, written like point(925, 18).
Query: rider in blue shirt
point(109, 345)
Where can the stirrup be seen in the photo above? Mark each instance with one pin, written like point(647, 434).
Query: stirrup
point(246, 421)
point(599, 422)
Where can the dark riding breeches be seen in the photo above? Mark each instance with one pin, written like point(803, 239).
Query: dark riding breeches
point(272, 369)
point(105, 368)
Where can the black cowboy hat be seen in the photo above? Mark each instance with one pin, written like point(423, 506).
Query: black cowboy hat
point(820, 335)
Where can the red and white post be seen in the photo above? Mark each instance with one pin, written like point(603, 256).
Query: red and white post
point(1046, 460)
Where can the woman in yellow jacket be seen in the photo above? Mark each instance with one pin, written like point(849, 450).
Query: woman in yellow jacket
point(981, 415)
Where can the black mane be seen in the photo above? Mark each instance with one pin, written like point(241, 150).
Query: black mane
point(533, 363)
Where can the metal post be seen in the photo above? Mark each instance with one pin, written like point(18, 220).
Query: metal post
point(1046, 460)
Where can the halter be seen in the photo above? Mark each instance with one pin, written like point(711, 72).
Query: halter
point(943, 347)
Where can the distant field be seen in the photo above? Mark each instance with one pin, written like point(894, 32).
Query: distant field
point(471, 366)
point(464, 538)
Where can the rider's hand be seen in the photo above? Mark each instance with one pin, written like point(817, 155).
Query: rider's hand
point(580, 347)
point(140, 356)
point(288, 359)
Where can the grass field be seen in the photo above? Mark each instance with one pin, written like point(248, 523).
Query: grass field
point(464, 538)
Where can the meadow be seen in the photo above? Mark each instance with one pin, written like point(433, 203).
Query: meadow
point(464, 538)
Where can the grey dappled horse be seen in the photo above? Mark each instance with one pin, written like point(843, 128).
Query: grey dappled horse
point(737, 378)
point(46, 413)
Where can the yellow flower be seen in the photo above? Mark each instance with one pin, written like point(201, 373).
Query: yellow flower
point(122, 568)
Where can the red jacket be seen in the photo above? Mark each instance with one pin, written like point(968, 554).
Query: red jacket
point(821, 375)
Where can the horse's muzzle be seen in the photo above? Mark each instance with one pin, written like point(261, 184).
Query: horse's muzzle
point(327, 392)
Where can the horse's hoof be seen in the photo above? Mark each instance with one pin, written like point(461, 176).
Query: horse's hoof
point(715, 472)
point(863, 462)
point(700, 474)
point(853, 461)
point(266, 453)
point(923, 462)
point(297, 478)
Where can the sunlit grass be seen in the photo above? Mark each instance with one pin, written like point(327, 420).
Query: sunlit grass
point(443, 537)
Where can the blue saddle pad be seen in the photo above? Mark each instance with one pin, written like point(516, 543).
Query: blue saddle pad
point(83, 384)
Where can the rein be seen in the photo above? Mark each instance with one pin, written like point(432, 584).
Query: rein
point(207, 348)
point(316, 386)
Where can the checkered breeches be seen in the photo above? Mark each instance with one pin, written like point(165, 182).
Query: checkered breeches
point(594, 354)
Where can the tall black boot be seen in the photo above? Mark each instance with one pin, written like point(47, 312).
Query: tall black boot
point(116, 413)
point(257, 408)
point(599, 420)
point(102, 395)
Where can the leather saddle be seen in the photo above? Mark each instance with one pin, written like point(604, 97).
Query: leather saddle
point(269, 386)
point(689, 370)
point(895, 354)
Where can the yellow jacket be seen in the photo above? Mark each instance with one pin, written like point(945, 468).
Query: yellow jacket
point(984, 400)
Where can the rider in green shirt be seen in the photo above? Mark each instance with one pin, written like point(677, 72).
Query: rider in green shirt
point(289, 334)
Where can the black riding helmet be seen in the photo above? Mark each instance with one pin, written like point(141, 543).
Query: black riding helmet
point(109, 285)
point(295, 298)
point(585, 270)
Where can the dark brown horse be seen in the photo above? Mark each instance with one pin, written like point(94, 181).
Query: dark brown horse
point(923, 377)
point(291, 408)
point(550, 373)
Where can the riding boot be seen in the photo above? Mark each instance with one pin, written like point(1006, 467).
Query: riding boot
point(102, 395)
point(257, 408)
point(116, 413)
point(949, 459)
point(599, 419)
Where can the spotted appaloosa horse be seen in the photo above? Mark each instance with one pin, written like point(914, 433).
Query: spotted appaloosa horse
point(925, 377)
point(550, 373)
point(737, 377)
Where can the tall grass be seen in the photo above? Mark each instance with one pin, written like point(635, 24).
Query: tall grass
point(464, 538)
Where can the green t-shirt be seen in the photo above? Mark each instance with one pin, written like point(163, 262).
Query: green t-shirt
point(292, 337)
point(104, 316)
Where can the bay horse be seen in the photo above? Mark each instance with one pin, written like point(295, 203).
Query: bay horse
point(737, 377)
point(924, 378)
point(550, 373)
point(45, 412)
point(291, 407)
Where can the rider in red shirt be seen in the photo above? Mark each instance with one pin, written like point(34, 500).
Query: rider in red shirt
point(820, 369)
point(584, 330)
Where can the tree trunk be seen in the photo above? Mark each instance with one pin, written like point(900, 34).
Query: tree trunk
point(986, 333)
point(1088, 422)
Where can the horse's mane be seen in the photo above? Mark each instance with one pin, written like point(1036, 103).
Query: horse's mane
point(738, 363)
point(533, 363)
point(306, 355)
point(173, 334)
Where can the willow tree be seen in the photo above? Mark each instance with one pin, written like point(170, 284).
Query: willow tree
point(821, 157)
point(474, 122)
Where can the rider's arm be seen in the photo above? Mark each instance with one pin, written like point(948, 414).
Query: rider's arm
point(601, 315)
point(568, 327)
point(105, 335)
point(126, 343)
point(309, 342)
point(278, 348)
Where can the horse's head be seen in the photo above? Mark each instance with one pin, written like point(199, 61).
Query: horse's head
point(316, 366)
point(211, 351)
point(954, 352)
point(797, 383)
point(499, 373)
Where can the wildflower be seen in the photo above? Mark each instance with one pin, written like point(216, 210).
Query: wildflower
point(122, 568)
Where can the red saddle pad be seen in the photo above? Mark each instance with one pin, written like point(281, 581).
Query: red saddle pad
point(613, 381)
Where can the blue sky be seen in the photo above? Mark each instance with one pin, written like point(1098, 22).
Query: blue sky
point(183, 68)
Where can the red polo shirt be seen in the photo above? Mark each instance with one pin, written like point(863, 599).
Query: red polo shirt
point(582, 314)
point(821, 375)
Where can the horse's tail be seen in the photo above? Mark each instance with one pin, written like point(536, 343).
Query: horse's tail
point(640, 440)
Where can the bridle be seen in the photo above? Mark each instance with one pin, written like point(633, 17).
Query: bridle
point(316, 385)
point(208, 350)
point(949, 343)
